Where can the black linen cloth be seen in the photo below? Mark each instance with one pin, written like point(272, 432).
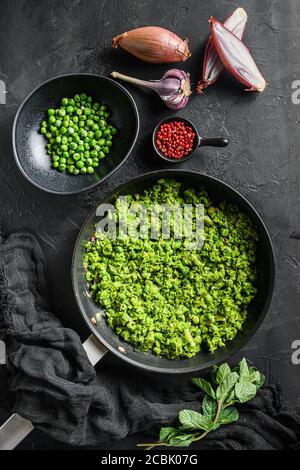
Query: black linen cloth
point(49, 380)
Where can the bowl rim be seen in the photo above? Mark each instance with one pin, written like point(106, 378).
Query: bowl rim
point(165, 173)
point(27, 98)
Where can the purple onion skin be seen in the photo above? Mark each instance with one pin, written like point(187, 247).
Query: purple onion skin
point(212, 65)
point(236, 57)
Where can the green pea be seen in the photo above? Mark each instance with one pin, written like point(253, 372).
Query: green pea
point(44, 124)
point(90, 170)
point(53, 129)
point(70, 161)
point(89, 122)
point(83, 97)
point(102, 123)
point(101, 154)
point(98, 134)
point(90, 134)
point(101, 142)
point(64, 148)
point(64, 101)
point(80, 148)
point(64, 140)
point(83, 133)
point(78, 111)
point(76, 171)
point(58, 139)
point(94, 154)
point(58, 123)
point(61, 167)
point(55, 158)
point(83, 170)
point(113, 130)
point(87, 111)
point(95, 163)
point(55, 164)
point(43, 130)
point(62, 112)
point(52, 119)
point(73, 145)
point(108, 143)
point(80, 164)
point(63, 130)
point(96, 106)
point(103, 107)
point(71, 169)
point(70, 109)
point(72, 102)
point(71, 130)
point(52, 140)
point(89, 161)
point(76, 156)
point(51, 112)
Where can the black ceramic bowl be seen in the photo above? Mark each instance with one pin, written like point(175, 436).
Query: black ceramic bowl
point(257, 310)
point(29, 145)
point(199, 141)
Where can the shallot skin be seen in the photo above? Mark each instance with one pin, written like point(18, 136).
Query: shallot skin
point(236, 57)
point(153, 44)
point(212, 65)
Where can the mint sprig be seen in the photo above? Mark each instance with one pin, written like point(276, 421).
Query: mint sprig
point(225, 388)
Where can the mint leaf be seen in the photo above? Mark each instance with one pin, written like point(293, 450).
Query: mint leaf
point(209, 407)
point(223, 372)
point(244, 371)
point(259, 381)
point(181, 440)
point(229, 415)
point(205, 386)
point(245, 391)
point(166, 433)
point(193, 420)
point(226, 386)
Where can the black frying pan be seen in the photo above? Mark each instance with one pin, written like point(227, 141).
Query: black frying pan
point(218, 191)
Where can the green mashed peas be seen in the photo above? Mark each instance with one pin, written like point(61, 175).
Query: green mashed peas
point(163, 298)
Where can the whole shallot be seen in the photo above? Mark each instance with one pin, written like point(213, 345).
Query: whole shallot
point(236, 57)
point(212, 65)
point(173, 88)
point(153, 44)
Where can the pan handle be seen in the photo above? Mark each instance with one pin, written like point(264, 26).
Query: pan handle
point(16, 428)
point(94, 349)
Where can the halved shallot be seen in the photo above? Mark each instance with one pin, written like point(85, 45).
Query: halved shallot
point(212, 65)
point(236, 57)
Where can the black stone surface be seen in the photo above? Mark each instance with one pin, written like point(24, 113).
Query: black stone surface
point(40, 39)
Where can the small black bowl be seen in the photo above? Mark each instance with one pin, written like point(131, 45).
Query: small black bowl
point(29, 145)
point(198, 142)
